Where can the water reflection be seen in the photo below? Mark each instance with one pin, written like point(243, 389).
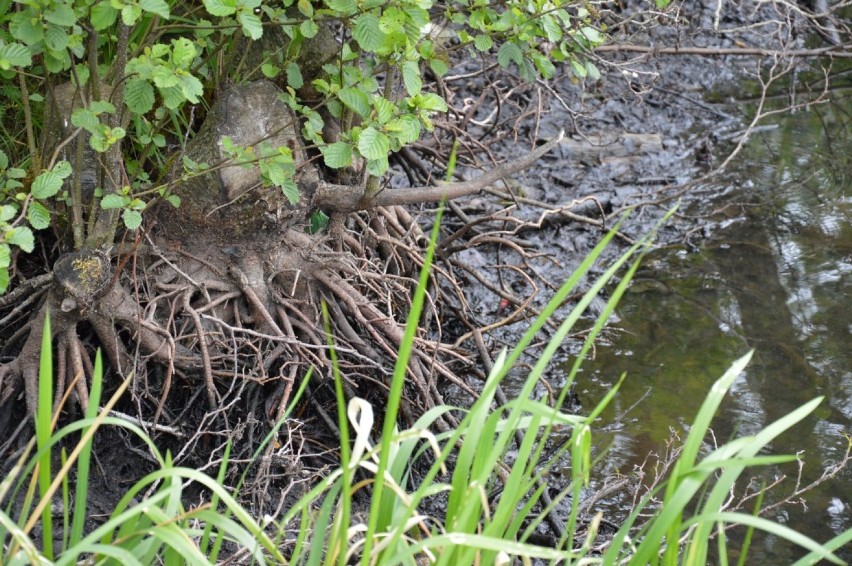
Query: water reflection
point(777, 277)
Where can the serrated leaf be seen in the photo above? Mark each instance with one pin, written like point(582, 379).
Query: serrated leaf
point(38, 215)
point(592, 34)
point(101, 107)
point(130, 13)
point(158, 7)
point(22, 237)
point(26, 28)
point(183, 53)
point(269, 70)
point(294, 76)
point(509, 52)
point(337, 155)
point(345, 7)
point(55, 38)
point(191, 88)
point(407, 129)
point(7, 212)
point(309, 28)
point(483, 42)
point(384, 109)
point(14, 55)
point(439, 67)
point(46, 185)
point(251, 24)
point(103, 15)
point(164, 77)
point(368, 33)
point(61, 15)
point(220, 7)
point(62, 169)
point(112, 201)
point(172, 97)
point(411, 77)
point(551, 27)
point(356, 99)
point(139, 96)
point(373, 144)
point(173, 200)
point(290, 190)
point(430, 102)
point(5, 255)
point(132, 219)
point(578, 68)
point(377, 167)
point(4, 280)
point(593, 71)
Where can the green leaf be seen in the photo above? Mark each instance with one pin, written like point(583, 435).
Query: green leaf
point(337, 155)
point(55, 38)
point(309, 28)
point(183, 52)
point(174, 200)
point(26, 28)
point(411, 77)
point(578, 68)
point(38, 215)
point(483, 42)
point(101, 107)
point(356, 99)
point(431, 102)
point(164, 77)
point(158, 7)
point(509, 52)
point(132, 219)
point(294, 76)
point(377, 167)
point(251, 24)
point(384, 109)
point(191, 88)
point(103, 15)
point(407, 129)
point(220, 7)
point(367, 33)
point(112, 201)
point(63, 169)
point(345, 7)
point(7, 212)
point(373, 144)
point(290, 190)
point(592, 71)
point(14, 55)
point(61, 15)
point(139, 96)
point(4, 280)
point(172, 97)
point(4, 160)
point(130, 14)
point(269, 70)
point(5, 256)
point(439, 66)
point(46, 185)
point(22, 237)
point(319, 221)
point(592, 34)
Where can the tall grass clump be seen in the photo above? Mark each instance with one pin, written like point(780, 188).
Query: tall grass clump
point(488, 478)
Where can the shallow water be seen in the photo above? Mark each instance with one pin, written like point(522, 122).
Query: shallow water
point(775, 276)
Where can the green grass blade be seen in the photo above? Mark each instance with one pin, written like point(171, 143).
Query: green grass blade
point(44, 412)
point(81, 491)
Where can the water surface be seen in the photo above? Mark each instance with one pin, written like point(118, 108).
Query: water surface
point(776, 277)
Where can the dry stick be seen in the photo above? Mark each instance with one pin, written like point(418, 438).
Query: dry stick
point(205, 354)
point(720, 51)
point(551, 517)
point(343, 199)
